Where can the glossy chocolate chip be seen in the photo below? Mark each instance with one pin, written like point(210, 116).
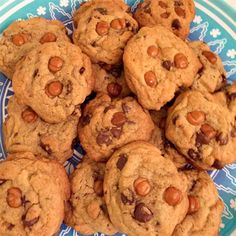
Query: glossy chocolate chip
point(46, 148)
point(121, 161)
point(127, 197)
point(82, 70)
point(98, 187)
point(176, 24)
point(115, 70)
point(85, 120)
point(167, 64)
point(202, 139)
point(193, 154)
point(232, 96)
point(102, 11)
point(10, 226)
point(217, 164)
point(114, 89)
point(116, 132)
point(142, 213)
point(118, 119)
point(2, 181)
point(103, 138)
point(222, 139)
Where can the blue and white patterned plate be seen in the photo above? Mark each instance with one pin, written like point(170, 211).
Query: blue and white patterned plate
point(214, 23)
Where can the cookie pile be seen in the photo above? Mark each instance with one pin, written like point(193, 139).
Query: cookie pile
point(161, 117)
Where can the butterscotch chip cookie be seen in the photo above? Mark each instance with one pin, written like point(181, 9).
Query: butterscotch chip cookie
point(205, 207)
point(212, 75)
point(110, 79)
point(176, 15)
point(24, 131)
point(33, 191)
point(107, 125)
point(102, 29)
point(88, 212)
point(202, 129)
point(143, 196)
point(157, 64)
point(23, 36)
point(54, 79)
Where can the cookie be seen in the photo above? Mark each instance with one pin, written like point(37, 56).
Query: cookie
point(212, 76)
point(24, 131)
point(32, 195)
point(205, 207)
point(175, 16)
point(110, 79)
point(54, 79)
point(143, 196)
point(196, 127)
point(157, 64)
point(109, 124)
point(102, 29)
point(23, 36)
point(88, 212)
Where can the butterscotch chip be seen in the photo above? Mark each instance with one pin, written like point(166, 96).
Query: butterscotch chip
point(54, 88)
point(102, 28)
point(142, 186)
point(48, 37)
point(29, 116)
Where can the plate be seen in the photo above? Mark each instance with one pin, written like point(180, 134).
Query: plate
point(214, 23)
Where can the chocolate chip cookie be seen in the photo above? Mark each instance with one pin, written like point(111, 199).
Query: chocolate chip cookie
point(102, 29)
point(32, 195)
point(157, 64)
point(22, 36)
point(110, 79)
point(54, 79)
point(212, 75)
point(24, 131)
point(88, 212)
point(205, 207)
point(202, 129)
point(143, 196)
point(175, 15)
point(109, 124)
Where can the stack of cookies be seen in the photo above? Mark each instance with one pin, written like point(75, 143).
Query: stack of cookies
point(161, 117)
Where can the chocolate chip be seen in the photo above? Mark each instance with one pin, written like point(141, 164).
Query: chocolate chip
point(116, 70)
point(114, 89)
point(222, 139)
point(175, 119)
point(121, 161)
point(69, 87)
point(81, 71)
point(103, 138)
point(29, 223)
point(35, 73)
point(116, 132)
point(165, 15)
point(2, 181)
point(194, 182)
point(46, 148)
point(104, 209)
point(85, 120)
point(178, 3)
point(125, 108)
point(193, 154)
point(10, 226)
point(201, 139)
point(167, 64)
point(176, 24)
point(101, 10)
point(110, 107)
point(147, 8)
point(232, 96)
point(217, 164)
point(118, 119)
point(233, 132)
point(142, 213)
point(127, 197)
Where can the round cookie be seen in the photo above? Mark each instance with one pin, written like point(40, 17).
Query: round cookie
point(24, 131)
point(143, 196)
point(205, 207)
point(196, 127)
point(54, 79)
point(157, 64)
point(110, 79)
point(88, 213)
point(22, 36)
point(33, 191)
point(109, 124)
point(212, 75)
point(175, 16)
point(102, 29)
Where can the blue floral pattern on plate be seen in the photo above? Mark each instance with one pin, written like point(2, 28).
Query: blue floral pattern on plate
point(213, 24)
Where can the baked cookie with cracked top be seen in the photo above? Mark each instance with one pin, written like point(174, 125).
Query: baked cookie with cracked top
point(175, 15)
point(143, 196)
point(102, 29)
point(54, 79)
point(212, 76)
point(108, 124)
point(32, 195)
point(196, 127)
point(157, 64)
point(25, 131)
point(88, 212)
point(205, 207)
point(23, 36)
point(110, 79)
